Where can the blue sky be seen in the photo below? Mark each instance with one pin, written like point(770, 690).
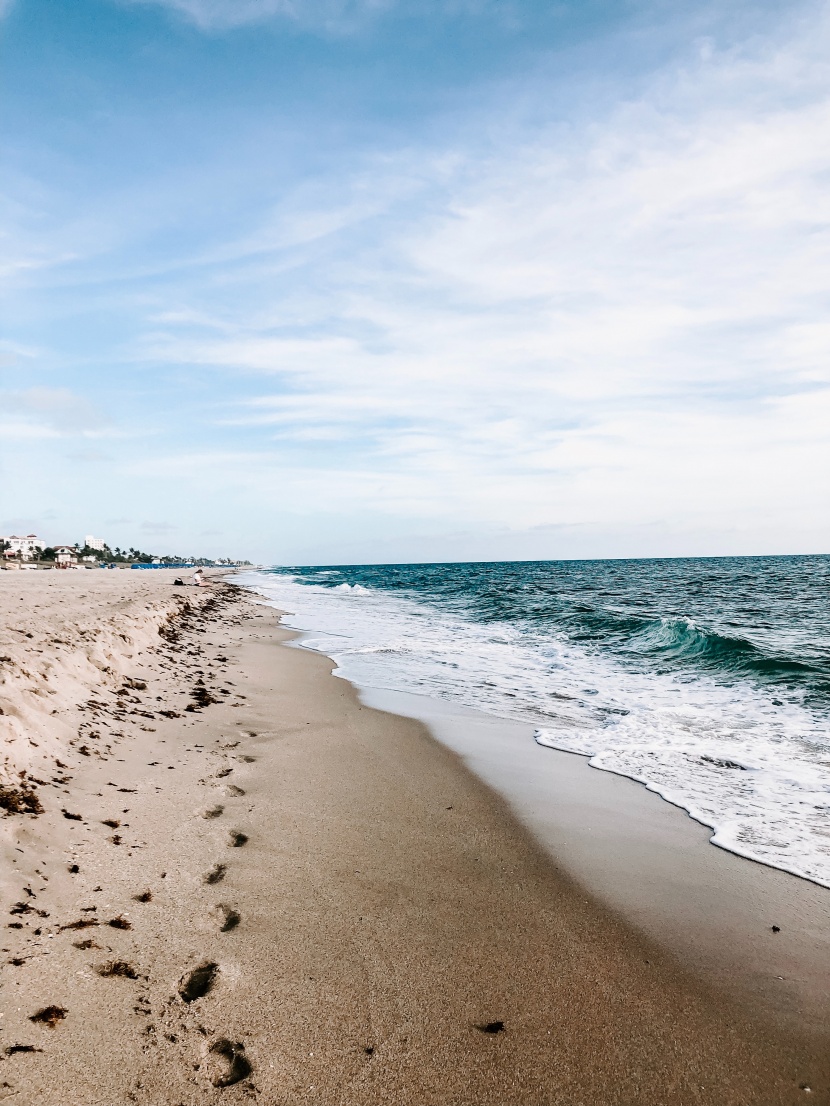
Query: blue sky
point(388, 280)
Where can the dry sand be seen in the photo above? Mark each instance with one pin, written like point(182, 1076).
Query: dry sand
point(283, 896)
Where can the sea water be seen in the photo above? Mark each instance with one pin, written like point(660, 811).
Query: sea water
point(707, 679)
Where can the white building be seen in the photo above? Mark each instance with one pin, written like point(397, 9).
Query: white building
point(26, 547)
point(95, 543)
point(65, 555)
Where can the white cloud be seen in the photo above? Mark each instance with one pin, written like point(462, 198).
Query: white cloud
point(620, 321)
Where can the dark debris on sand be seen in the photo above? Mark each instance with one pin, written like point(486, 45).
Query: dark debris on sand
point(20, 798)
point(49, 1016)
point(116, 968)
point(82, 923)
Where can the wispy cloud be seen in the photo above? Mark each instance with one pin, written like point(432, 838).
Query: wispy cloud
point(89, 456)
point(52, 411)
point(158, 527)
point(25, 431)
point(331, 15)
point(572, 308)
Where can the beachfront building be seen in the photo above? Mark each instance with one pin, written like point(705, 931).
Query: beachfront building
point(91, 542)
point(65, 556)
point(22, 548)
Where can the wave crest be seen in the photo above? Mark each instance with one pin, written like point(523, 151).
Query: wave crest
point(681, 638)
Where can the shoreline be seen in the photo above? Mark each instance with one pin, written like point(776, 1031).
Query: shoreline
point(651, 863)
point(324, 905)
point(730, 733)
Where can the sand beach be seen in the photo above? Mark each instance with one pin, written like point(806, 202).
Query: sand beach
point(227, 879)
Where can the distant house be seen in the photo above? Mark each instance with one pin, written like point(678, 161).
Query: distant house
point(25, 548)
point(91, 542)
point(65, 556)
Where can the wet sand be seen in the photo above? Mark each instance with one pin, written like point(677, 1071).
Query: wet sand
point(741, 926)
point(281, 895)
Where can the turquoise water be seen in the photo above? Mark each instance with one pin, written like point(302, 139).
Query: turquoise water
point(706, 679)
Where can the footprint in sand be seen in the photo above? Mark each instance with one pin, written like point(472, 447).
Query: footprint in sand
point(491, 1027)
point(236, 839)
point(199, 982)
point(232, 789)
point(216, 874)
point(213, 812)
point(226, 916)
point(227, 1063)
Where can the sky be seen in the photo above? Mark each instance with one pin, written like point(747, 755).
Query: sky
point(337, 281)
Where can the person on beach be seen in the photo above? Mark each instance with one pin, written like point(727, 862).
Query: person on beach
point(198, 578)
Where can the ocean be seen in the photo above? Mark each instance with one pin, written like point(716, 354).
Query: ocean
point(706, 679)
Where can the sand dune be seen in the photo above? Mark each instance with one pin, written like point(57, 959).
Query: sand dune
point(69, 637)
